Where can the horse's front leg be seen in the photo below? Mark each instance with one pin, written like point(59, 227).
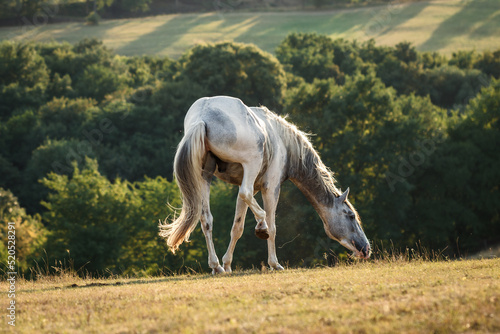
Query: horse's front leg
point(270, 197)
point(246, 193)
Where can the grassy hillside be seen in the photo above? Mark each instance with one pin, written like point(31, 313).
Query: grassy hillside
point(373, 297)
point(440, 25)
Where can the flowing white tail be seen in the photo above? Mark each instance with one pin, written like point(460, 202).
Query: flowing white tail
point(188, 165)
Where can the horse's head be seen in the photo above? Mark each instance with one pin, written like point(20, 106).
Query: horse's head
point(343, 224)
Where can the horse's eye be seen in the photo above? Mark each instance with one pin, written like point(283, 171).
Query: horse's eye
point(351, 216)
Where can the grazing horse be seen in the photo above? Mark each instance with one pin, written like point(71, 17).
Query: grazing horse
point(257, 150)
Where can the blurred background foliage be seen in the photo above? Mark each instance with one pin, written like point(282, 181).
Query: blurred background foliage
point(87, 140)
point(12, 11)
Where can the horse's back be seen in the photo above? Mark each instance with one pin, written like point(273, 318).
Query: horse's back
point(202, 106)
point(234, 132)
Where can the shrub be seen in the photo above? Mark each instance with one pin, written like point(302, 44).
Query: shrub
point(93, 19)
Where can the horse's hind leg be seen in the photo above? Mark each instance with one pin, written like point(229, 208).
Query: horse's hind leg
point(207, 218)
point(250, 172)
point(236, 232)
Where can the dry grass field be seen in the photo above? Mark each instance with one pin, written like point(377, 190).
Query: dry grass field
point(439, 25)
point(397, 296)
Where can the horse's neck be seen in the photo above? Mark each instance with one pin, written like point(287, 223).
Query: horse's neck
point(304, 166)
point(311, 181)
point(308, 192)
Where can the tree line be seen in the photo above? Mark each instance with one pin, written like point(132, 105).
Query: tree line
point(87, 140)
point(41, 11)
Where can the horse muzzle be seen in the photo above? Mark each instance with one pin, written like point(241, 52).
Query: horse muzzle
point(360, 249)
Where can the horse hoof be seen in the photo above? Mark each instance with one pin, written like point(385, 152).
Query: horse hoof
point(278, 267)
point(218, 270)
point(262, 233)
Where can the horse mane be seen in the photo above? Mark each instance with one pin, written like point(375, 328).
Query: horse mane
point(304, 163)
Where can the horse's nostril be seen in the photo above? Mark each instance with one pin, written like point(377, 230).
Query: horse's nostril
point(366, 251)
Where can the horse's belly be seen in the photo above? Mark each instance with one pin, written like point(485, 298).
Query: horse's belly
point(233, 173)
point(229, 172)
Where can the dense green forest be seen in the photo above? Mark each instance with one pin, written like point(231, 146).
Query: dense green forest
point(87, 140)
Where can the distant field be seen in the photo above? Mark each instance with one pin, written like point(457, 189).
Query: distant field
point(372, 297)
point(440, 25)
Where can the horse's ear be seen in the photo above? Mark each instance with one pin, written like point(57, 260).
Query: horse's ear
point(343, 197)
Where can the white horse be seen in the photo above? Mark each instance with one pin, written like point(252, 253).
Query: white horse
point(257, 150)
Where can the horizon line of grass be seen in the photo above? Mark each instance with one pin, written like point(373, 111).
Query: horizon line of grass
point(381, 253)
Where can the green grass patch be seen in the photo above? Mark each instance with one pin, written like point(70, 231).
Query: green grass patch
point(365, 297)
point(442, 25)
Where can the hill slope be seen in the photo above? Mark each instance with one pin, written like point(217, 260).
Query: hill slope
point(372, 297)
point(439, 25)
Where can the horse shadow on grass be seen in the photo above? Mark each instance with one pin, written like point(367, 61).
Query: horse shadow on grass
point(168, 279)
